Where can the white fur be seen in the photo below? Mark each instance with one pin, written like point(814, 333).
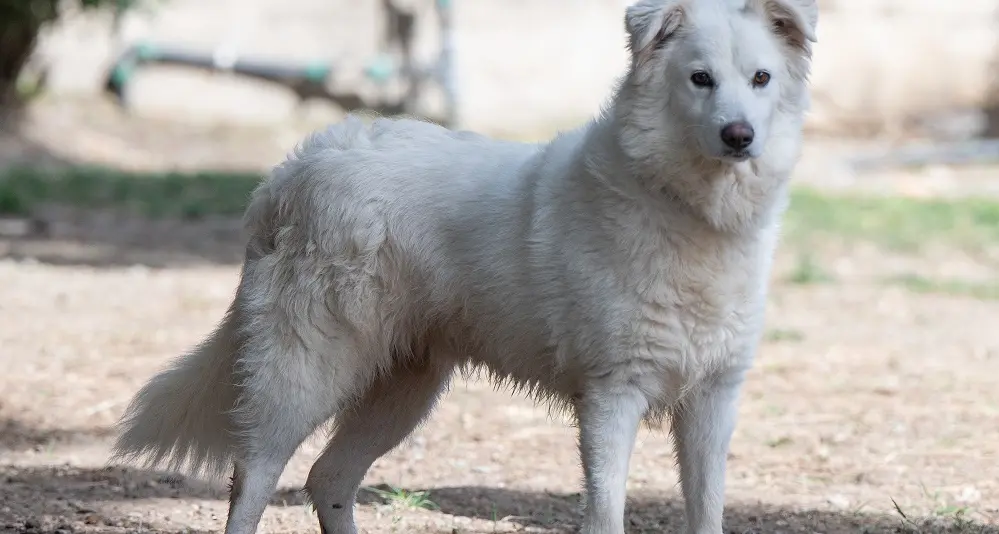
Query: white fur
point(619, 270)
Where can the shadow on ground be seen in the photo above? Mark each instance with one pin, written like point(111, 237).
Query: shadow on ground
point(649, 513)
point(103, 240)
point(71, 496)
point(17, 436)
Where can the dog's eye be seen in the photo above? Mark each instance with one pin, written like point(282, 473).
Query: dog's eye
point(701, 79)
point(761, 78)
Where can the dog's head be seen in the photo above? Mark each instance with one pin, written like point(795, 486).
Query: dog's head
point(715, 78)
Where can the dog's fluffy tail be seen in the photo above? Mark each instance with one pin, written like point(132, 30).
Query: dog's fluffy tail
point(181, 417)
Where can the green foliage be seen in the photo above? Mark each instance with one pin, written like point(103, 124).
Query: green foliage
point(947, 286)
point(154, 195)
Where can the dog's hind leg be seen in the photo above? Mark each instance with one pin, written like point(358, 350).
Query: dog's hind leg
point(257, 469)
point(271, 423)
point(289, 386)
point(382, 417)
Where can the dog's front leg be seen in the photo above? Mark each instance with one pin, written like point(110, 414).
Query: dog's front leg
point(702, 428)
point(608, 423)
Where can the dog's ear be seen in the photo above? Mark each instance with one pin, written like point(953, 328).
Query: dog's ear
point(793, 20)
point(650, 25)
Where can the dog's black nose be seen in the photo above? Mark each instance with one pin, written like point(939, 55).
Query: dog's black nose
point(737, 135)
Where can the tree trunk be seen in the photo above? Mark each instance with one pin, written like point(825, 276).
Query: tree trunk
point(20, 22)
point(17, 41)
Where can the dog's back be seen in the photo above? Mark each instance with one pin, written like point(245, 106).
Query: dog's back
point(381, 173)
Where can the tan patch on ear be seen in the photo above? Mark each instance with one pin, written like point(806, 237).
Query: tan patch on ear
point(789, 23)
point(671, 20)
point(671, 23)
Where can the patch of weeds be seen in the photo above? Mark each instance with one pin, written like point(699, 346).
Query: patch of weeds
point(961, 288)
point(941, 518)
point(404, 499)
point(951, 511)
point(11, 203)
point(905, 224)
point(808, 271)
point(168, 194)
point(779, 335)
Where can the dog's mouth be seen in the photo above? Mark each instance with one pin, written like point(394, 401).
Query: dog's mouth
point(736, 156)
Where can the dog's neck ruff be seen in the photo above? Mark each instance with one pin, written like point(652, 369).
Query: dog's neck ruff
point(728, 197)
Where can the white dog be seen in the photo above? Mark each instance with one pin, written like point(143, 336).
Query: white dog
point(619, 270)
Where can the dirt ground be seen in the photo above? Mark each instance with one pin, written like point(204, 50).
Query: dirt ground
point(872, 408)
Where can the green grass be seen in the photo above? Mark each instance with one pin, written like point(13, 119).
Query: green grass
point(155, 195)
point(782, 335)
point(955, 287)
point(898, 223)
point(807, 271)
point(404, 499)
point(813, 217)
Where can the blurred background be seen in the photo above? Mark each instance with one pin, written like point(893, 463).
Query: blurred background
point(132, 131)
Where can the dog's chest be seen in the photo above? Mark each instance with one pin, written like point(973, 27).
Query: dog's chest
point(699, 308)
